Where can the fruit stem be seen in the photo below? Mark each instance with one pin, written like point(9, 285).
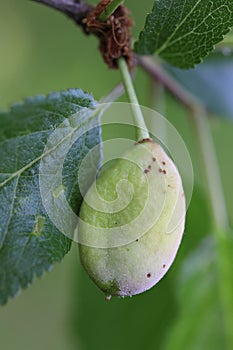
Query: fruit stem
point(142, 132)
point(109, 9)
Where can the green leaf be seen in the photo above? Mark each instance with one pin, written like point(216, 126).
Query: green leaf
point(183, 32)
point(205, 292)
point(29, 242)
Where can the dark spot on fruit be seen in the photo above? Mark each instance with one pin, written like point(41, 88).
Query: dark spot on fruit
point(162, 171)
point(148, 275)
point(146, 171)
point(164, 266)
point(149, 167)
point(136, 240)
point(154, 159)
point(164, 163)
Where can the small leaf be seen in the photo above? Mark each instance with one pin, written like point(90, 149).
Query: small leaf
point(29, 242)
point(206, 280)
point(183, 32)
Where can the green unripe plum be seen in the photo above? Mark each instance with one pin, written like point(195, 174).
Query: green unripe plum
point(132, 221)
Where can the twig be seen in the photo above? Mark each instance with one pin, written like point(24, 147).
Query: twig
point(76, 10)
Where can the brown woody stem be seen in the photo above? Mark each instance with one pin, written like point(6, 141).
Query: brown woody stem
point(77, 10)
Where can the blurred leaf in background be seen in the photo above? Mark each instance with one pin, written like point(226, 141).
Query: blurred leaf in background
point(201, 321)
point(210, 82)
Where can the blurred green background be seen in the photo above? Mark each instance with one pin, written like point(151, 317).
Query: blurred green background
point(43, 51)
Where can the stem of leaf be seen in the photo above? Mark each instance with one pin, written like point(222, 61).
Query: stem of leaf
point(109, 9)
point(211, 169)
point(114, 94)
point(142, 132)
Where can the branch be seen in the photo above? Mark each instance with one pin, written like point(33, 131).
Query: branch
point(76, 10)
